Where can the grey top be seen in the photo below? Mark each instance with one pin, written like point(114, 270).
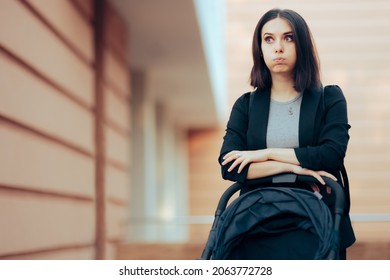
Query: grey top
point(283, 123)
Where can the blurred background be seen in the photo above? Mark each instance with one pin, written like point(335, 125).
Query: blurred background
point(112, 114)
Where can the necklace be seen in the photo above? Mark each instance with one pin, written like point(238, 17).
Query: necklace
point(290, 106)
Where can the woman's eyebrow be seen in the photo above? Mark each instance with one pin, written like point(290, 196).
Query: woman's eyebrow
point(285, 33)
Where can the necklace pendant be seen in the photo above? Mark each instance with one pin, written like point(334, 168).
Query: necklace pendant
point(290, 111)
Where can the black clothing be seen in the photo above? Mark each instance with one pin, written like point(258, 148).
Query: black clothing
point(323, 136)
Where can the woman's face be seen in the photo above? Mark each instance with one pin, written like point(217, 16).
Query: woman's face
point(278, 46)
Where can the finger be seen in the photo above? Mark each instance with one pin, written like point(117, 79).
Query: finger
point(321, 180)
point(231, 156)
point(242, 165)
point(318, 177)
point(227, 160)
point(315, 174)
point(234, 164)
point(327, 174)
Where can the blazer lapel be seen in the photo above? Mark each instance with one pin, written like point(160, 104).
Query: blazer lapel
point(258, 120)
point(307, 118)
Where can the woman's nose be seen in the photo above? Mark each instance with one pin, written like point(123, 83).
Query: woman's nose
point(278, 46)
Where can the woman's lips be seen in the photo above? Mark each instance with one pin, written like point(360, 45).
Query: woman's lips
point(279, 60)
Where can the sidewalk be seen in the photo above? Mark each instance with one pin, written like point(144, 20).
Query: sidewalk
point(188, 251)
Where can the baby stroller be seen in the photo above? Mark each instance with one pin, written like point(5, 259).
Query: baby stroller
point(275, 222)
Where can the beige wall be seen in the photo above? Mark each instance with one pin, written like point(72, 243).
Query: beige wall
point(51, 107)
point(65, 130)
point(353, 42)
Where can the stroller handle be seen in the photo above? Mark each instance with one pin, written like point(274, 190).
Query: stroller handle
point(336, 188)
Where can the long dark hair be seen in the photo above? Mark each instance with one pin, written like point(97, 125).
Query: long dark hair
point(307, 69)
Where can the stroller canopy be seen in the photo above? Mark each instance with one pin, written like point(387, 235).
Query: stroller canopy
point(273, 211)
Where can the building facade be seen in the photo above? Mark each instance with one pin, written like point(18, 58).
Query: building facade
point(64, 130)
point(112, 115)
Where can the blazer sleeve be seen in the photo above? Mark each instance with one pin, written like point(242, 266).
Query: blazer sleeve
point(330, 148)
point(236, 138)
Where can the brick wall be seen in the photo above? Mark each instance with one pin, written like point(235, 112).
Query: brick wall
point(64, 130)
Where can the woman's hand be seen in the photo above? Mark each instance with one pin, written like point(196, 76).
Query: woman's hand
point(316, 174)
point(243, 158)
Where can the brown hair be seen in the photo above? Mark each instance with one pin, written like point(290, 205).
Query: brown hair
point(307, 69)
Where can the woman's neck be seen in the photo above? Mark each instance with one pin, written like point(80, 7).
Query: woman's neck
point(283, 89)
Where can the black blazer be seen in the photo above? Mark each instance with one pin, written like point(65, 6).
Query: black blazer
point(323, 135)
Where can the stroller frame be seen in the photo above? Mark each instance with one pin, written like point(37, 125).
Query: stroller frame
point(335, 187)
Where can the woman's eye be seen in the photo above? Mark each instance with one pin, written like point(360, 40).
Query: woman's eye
point(289, 38)
point(268, 39)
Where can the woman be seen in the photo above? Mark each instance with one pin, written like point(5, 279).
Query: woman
point(291, 125)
